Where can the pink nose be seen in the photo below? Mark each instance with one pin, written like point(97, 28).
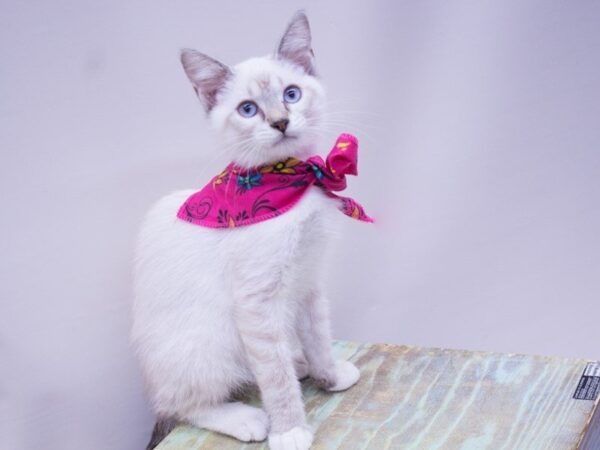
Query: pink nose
point(280, 124)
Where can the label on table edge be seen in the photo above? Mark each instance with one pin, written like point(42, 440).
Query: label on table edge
point(589, 383)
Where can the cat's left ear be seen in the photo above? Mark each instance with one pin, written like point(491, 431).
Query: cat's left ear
point(295, 45)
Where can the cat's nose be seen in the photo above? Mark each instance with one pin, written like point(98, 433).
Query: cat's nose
point(280, 124)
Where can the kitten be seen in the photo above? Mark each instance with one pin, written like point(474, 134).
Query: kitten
point(216, 310)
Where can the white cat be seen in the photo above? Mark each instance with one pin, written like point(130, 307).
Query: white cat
point(218, 309)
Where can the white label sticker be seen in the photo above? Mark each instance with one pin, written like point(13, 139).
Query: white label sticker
point(589, 383)
point(592, 369)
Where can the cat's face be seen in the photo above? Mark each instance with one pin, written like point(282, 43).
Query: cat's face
point(265, 109)
point(268, 111)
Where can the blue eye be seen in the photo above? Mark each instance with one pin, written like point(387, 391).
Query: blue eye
point(292, 94)
point(248, 109)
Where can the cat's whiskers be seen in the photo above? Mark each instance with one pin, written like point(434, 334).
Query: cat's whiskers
point(335, 126)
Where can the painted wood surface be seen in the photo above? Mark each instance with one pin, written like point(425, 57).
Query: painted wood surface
point(426, 399)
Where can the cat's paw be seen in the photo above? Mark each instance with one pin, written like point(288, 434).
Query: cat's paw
point(236, 419)
point(250, 424)
point(298, 438)
point(346, 375)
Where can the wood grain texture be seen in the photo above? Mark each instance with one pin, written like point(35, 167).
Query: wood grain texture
point(590, 435)
point(417, 398)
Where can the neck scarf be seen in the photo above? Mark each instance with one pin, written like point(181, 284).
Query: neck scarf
point(238, 197)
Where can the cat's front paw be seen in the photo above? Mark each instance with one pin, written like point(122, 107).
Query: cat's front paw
point(248, 424)
point(298, 438)
point(346, 375)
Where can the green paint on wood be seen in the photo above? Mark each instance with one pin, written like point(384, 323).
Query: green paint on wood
point(415, 399)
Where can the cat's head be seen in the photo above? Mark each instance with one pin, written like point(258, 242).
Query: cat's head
point(264, 109)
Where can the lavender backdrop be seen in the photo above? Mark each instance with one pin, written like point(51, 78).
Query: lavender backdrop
point(479, 124)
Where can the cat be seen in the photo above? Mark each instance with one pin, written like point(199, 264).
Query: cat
point(217, 310)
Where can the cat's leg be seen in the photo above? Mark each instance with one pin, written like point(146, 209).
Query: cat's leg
point(206, 393)
point(243, 422)
point(263, 319)
point(300, 361)
point(314, 330)
point(301, 366)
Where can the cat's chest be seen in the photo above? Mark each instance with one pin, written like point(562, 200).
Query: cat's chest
point(314, 215)
point(314, 208)
point(315, 220)
point(296, 234)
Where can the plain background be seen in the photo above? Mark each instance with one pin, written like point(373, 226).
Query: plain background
point(479, 128)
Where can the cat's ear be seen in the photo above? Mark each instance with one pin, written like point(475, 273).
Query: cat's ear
point(208, 76)
point(295, 45)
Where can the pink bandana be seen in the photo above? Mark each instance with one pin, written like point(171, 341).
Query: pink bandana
point(239, 197)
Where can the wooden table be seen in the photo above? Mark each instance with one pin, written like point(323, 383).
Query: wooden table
point(426, 399)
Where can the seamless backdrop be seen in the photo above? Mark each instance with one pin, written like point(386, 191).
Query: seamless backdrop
point(479, 129)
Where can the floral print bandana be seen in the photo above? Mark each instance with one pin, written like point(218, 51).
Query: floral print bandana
point(238, 197)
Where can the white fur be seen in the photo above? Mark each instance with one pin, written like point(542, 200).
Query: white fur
point(298, 438)
point(218, 309)
point(346, 376)
point(184, 327)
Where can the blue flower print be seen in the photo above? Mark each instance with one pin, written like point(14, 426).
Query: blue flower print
point(317, 170)
point(249, 181)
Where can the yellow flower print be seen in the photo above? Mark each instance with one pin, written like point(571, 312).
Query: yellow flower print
point(343, 146)
point(219, 179)
point(286, 166)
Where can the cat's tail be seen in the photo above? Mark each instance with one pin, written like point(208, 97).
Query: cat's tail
point(164, 425)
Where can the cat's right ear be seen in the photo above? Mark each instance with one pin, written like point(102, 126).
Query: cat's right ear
point(208, 76)
point(295, 45)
